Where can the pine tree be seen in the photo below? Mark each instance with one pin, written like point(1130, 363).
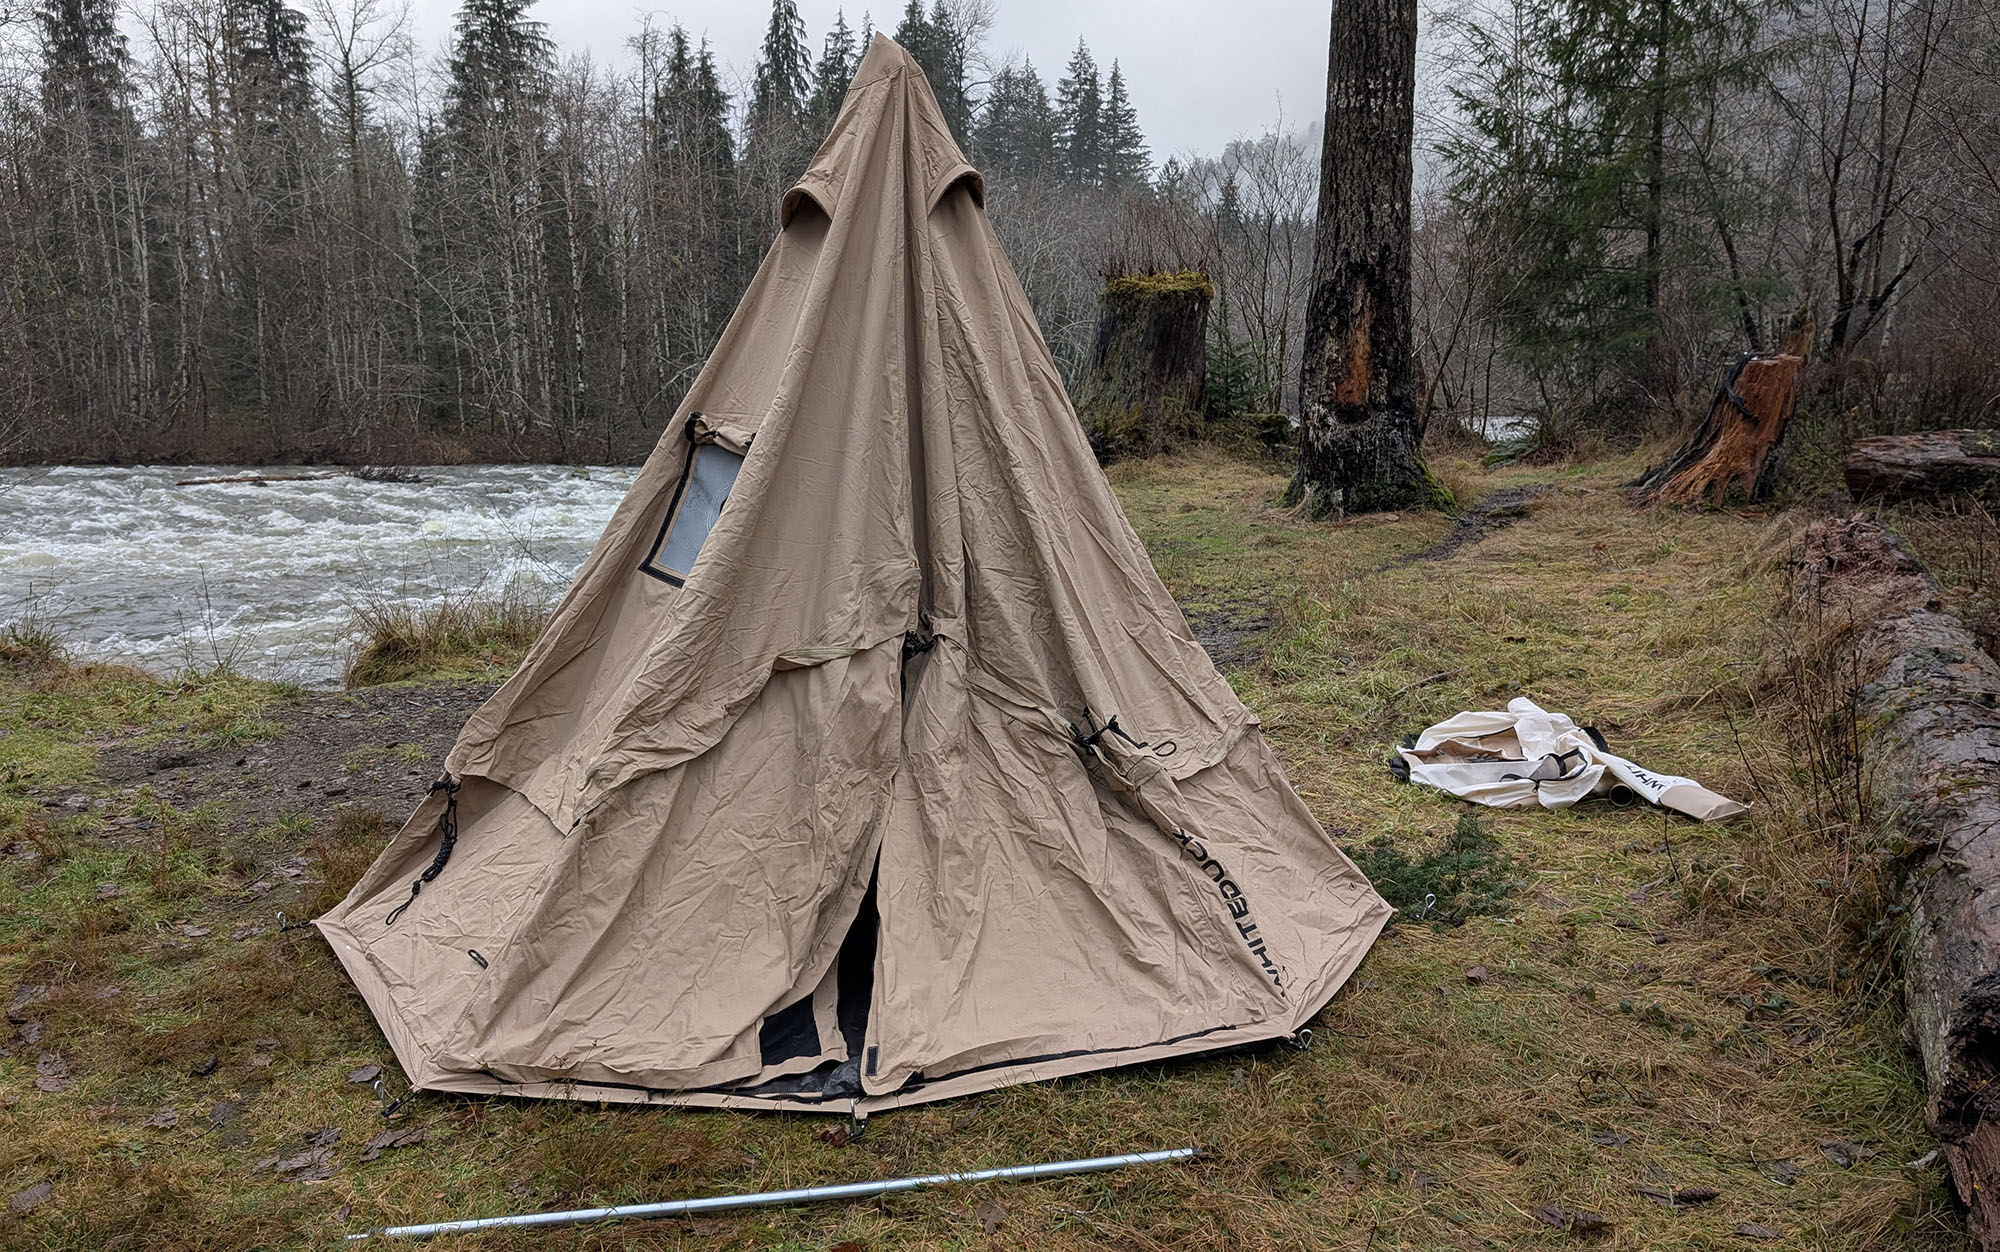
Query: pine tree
point(1016, 133)
point(780, 90)
point(1127, 162)
point(1080, 122)
point(89, 231)
point(1586, 157)
point(480, 211)
point(499, 69)
point(271, 56)
point(838, 59)
point(83, 59)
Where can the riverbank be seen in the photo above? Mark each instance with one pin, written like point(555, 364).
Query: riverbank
point(1649, 1008)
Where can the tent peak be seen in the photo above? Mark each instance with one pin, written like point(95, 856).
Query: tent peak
point(889, 90)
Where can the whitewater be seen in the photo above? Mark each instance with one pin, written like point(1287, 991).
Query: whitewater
point(127, 566)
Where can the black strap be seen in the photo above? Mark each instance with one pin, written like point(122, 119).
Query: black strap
point(448, 828)
point(1166, 747)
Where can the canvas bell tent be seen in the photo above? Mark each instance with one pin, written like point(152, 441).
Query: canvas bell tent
point(867, 761)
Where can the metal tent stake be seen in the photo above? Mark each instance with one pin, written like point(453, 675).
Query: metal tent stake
point(767, 1199)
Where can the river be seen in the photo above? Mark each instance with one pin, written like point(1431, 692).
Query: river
point(128, 566)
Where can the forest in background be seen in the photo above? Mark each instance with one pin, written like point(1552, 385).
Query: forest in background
point(254, 232)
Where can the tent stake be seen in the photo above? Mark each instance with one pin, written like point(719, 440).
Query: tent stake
point(765, 1199)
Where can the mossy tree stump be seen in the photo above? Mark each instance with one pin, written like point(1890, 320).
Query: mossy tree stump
point(1143, 394)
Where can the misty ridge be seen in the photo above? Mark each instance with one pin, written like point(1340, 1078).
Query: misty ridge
point(250, 232)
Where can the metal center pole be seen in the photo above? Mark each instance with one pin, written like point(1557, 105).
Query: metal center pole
point(766, 1199)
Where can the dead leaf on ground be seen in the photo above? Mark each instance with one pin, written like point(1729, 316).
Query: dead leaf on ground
point(833, 1136)
point(990, 1215)
point(325, 1137)
point(364, 1073)
point(1476, 975)
point(24, 995)
point(1588, 1223)
point(1784, 1173)
point(390, 1140)
point(33, 1198)
point(1610, 1138)
point(1755, 1230)
point(109, 890)
point(223, 1113)
point(309, 1166)
point(204, 1067)
point(1844, 1152)
point(51, 1073)
point(195, 932)
point(1551, 1216)
point(1696, 1195)
point(849, 1245)
point(165, 1119)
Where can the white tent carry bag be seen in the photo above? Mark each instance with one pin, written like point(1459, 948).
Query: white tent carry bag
point(1528, 755)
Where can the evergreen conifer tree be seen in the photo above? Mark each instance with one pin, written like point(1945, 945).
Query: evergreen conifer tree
point(1127, 162)
point(1080, 121)
point(780, 90)
point(1016, 133)
point(838, 58)
point(1585, 154)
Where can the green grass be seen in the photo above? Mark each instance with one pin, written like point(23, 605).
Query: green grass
point(472, 635)
point(1664, 1004)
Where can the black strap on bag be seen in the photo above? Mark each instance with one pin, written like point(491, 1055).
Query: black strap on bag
point(448, 829)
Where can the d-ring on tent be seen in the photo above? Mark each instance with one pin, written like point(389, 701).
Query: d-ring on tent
point(867, 761)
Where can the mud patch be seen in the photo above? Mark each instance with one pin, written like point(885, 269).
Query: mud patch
point(1499, 509)
point(373, 748)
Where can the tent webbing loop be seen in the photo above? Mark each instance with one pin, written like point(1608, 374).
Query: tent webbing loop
point(1084, 742)
point(448, 828)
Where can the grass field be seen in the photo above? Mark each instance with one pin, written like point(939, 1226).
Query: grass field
point(1653, 1006)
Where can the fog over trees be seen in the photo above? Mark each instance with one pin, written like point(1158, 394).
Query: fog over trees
point(255, 231)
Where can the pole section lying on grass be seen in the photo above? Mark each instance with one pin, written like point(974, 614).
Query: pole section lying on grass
point(767, 1199)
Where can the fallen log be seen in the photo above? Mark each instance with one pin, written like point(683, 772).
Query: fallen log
point(1926, 697)
point(259, 479)
point(1933, 463)
point(1730, 452)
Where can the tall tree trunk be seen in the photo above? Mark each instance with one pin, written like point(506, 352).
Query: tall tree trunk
point(1360, 426)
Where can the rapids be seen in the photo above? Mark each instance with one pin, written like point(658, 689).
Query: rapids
point(129, 567)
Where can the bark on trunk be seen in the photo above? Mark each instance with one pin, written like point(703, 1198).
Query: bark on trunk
point(1927, 694)
point(1730, 452)
point(1935, 463)
point(1361, 427)
point(1144, 391)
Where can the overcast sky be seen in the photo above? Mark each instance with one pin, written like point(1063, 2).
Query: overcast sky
point(1201, 72)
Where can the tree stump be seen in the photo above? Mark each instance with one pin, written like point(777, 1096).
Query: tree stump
point(1143, 394)
point(1925, 695)
point(1730, 453)
point(1932, 464)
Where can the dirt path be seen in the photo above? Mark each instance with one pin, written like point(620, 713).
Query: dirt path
point(375, 748)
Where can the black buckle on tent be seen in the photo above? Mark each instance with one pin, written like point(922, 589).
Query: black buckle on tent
point(1084, 742)
point(448, 828)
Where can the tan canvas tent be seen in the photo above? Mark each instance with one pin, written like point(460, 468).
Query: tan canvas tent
point(867, 761)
